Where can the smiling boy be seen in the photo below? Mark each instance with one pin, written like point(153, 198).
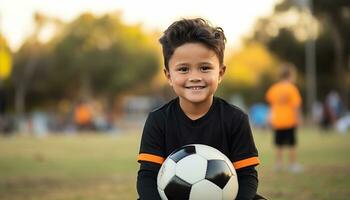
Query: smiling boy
point(193, 53)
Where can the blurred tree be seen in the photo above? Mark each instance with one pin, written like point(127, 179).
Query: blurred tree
point(5, 59)
point(241, 65)
point(103, 56)
point(26, 62)
point(29, 74)
point(5, 71)
point(251, 67)
point(287, 39)
point(88, 56)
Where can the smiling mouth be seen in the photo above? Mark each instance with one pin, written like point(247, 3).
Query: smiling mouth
point(195, 87)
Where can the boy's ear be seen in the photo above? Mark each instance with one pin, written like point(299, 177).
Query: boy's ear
point(222, 72)
point(167, 75)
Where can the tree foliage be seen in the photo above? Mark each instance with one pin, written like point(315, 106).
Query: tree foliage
point(92, 55)
point(287, 40)
point(249, 68)
point(102, 55)
point(5, 59)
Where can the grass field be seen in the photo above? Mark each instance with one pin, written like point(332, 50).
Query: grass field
point(102, 167)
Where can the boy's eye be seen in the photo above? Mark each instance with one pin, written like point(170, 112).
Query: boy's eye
point(182, 69)
point(205, 68)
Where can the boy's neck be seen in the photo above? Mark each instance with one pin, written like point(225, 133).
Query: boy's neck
point(195, 110)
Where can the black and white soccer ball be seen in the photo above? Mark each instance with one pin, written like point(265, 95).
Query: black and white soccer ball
point(197, 172)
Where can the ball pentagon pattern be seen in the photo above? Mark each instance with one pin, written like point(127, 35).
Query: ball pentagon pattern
point(197, 172)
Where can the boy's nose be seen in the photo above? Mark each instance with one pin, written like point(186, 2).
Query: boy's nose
point(195, 76)
point(195, 79)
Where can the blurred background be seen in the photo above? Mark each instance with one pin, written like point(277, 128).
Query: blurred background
point(78, 78)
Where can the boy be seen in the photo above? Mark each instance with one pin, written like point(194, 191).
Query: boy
point(284, 99)
point(193, 57)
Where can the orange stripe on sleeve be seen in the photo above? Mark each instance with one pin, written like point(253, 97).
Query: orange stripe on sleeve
point(246, 162)
point(150, 158)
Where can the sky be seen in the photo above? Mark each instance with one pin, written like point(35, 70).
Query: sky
point(235, 17)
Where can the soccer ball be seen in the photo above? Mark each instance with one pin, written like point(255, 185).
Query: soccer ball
point(197, 172)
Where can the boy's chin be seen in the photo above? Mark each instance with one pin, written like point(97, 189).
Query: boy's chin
point(197, 100)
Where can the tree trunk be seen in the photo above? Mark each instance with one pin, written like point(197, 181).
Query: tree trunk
point(20, 94)
point(22, 86)
point(339, 60)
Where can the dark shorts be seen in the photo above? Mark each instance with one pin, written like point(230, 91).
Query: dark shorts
point(285, 137)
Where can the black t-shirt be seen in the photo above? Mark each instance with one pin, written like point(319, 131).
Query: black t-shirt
point(224, 127)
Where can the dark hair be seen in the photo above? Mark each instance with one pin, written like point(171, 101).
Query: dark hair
point(192, 30)
point(287, 70)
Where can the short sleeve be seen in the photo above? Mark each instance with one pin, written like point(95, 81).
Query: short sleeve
point(243, 150)
point(152, 141)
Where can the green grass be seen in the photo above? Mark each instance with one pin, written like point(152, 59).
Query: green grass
point(98, 166)
point(326, 162)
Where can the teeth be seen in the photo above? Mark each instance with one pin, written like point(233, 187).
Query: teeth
point(196, 88)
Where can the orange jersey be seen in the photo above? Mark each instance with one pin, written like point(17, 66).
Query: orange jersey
point(284, 99)
point(83, 114)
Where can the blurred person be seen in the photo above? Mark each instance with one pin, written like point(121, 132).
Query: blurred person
point(317, 112)
point(259, 114)
point(328, 117)
point(83, 116)
point(335, 104)
point(193, 53)
point(102, 119)
point(285, 101)
point(40, 123)
point(343, 124)
point(332, 110)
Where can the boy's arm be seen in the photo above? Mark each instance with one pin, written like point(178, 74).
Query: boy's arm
point(248, 183)
point(147, 181)
point(150, 159)
point(245, 157)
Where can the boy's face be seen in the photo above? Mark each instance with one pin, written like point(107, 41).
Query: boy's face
point(194, 72)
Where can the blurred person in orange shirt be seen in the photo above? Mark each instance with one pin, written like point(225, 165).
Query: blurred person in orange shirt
point(285, 101)
point(83, 116)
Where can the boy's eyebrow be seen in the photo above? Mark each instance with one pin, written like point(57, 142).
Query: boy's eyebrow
point(181, 63)
point(208, 63)
point(186, 63)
